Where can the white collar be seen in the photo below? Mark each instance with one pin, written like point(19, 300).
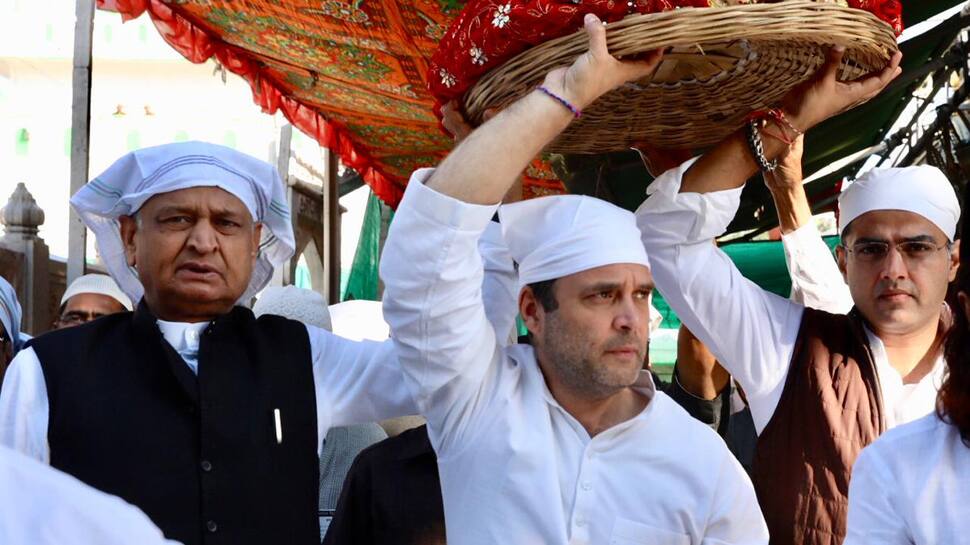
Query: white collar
point(524, 356)
point(183, 336)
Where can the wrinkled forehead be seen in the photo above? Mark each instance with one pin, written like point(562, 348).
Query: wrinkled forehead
point(892, 225)
point(209, 198)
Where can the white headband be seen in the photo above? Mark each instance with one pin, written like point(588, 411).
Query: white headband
point(922, 190)
point(553, 237)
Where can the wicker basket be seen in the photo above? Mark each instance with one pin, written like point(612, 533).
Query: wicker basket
point(725, 63)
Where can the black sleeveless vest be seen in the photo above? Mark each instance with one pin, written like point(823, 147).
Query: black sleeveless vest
point(199, 455)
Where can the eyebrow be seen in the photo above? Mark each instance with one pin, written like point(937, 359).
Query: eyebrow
point(611, 286)
point(917, 238)
point(220, 212)
point(175, 209)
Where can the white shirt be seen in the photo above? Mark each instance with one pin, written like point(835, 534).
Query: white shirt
point(752, 332)
point(356, 381)
point(515, 467)
point(816, 281)
point(42, 506)
point(911, 487)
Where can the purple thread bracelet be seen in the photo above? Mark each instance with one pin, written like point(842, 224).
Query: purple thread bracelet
point(576, 111)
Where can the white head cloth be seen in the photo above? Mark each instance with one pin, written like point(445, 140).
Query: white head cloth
point(295, 303)
point(553, 237)
point(96, 283)
point(140, 175)
point(922, 190)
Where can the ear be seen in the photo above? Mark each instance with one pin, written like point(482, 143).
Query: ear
point(530, 310)
point(840, 258)
point(954, 261)
point(257, 237)
point(129, 227)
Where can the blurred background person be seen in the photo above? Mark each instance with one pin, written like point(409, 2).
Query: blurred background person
point(88, 298)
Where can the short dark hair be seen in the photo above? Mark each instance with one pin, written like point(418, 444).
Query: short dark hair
point(545, 294)
point(845, 232)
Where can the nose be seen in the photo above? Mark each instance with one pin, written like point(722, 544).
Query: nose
point(202, 238)
point(894, 265)
point(628, 316)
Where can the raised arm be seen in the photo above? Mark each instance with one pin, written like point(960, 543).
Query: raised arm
point(752, 332)
point(815, 277)
point(431, 267)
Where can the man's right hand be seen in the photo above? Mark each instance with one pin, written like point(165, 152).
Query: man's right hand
point(597, 72)
point(482, 168)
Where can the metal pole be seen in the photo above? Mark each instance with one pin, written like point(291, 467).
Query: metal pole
point(331, 226)
point(284, 274)
point(80, 133)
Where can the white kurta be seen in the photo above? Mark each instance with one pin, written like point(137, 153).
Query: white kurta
point(911, 487)
point(816, 281)
point(42, 506)
point(515, 467)
point(355, 381)
point(751, 331)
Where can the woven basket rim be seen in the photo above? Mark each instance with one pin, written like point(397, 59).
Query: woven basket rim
point(784, 15)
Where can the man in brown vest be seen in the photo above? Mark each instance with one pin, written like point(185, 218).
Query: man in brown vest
point(820, 386)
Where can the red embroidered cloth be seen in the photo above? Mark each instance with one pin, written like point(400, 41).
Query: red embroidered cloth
point(354, 74)
point(487, 33)
point(350, 73)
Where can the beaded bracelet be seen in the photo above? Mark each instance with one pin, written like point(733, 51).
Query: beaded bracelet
point(779, 118)
point(576, 111)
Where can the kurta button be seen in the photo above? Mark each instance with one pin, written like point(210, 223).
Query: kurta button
point(211, 526)
point(206, 466)
point(587, 485)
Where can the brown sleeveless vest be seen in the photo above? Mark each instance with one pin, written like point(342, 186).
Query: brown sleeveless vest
point(829, 411)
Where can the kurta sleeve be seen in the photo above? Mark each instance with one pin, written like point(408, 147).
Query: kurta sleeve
point(24, 408)
point(816, 281)
point(873, 515)
point(735, 517)
point(499, 286)
point(751, 332)
point(356, 381)
point(432, 273)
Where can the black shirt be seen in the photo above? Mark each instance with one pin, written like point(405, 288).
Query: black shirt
point(392, 495)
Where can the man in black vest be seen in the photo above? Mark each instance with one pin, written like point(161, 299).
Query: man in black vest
point(205, 417)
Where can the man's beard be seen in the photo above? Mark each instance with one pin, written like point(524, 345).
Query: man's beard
point(566, 349)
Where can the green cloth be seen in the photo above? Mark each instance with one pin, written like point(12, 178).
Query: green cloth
point(363, 281)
